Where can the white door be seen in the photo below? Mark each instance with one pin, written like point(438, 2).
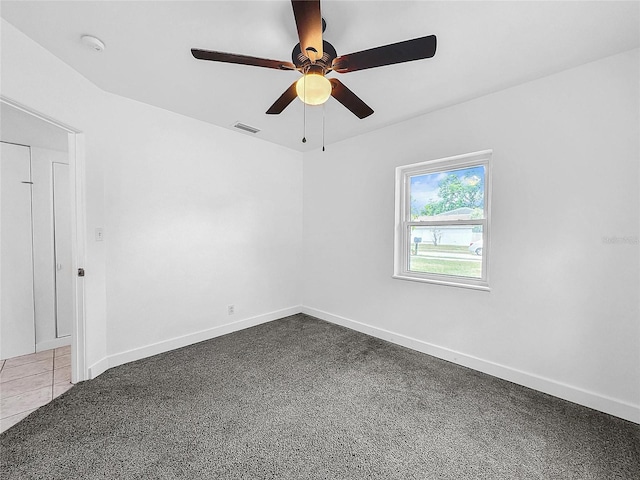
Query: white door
point(62, 244)
point(17, 326)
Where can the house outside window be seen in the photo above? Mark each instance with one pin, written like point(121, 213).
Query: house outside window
point(442, 221)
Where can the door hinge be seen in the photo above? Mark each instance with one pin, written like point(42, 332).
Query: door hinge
point(81, 272)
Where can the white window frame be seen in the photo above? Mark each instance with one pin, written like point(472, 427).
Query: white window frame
point(403, 222)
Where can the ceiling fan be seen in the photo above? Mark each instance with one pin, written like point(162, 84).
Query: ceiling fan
point(314, 58)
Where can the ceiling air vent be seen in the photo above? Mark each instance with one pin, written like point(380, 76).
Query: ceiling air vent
point(246, 128)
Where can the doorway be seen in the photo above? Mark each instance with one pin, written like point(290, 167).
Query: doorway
point(42, 298)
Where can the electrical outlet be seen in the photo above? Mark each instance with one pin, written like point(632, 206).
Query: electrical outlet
point(99, 234)
point(231, 309)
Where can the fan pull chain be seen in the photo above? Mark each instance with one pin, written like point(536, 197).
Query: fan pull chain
point(304, 114)
point(323, 126)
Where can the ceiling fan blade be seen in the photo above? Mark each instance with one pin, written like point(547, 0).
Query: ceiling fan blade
point(349, 99)
point(309, 23)
point(407, 51)
point(285, 99)
point(241, 59)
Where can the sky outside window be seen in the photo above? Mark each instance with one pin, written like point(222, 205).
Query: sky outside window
point(439, 192)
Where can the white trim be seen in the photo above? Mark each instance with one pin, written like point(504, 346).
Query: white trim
point(79, 370)
point(445, 223)
point(185, 340)
point(54, 343)
point(603, 403)
point(438, 164)
point(467, 284)
point(40, 116)
point(97, 368)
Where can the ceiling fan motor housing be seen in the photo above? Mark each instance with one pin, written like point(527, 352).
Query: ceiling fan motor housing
point(302, 62)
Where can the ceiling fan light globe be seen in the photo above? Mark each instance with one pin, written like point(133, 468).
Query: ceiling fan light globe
point(316, 91)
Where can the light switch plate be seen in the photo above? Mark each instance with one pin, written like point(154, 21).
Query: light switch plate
point(99, 234)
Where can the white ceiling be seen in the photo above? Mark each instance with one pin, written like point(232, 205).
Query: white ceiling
point(483, 47)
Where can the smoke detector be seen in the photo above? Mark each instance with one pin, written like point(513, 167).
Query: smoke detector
point(92, 42)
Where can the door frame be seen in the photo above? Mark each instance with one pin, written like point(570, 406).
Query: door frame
point(76, 151)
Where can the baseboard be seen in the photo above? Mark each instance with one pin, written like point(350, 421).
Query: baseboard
point(171, 344)
point(54, 343)
point(97, 368)
point(571, 393)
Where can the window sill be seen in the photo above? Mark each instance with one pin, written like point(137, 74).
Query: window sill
point(450, 283)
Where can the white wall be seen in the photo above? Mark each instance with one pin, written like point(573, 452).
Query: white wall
point(197, 218)
point(563, 312)
point(181, 203)
point(43, 245)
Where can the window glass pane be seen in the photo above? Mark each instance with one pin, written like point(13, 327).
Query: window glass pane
point(451, 250)
point(448, 195)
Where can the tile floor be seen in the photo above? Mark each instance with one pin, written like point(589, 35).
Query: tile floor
point(30, 381)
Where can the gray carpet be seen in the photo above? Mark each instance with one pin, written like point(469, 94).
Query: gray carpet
point(301, 398)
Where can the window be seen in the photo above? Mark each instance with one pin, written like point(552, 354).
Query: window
point(442, 221)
